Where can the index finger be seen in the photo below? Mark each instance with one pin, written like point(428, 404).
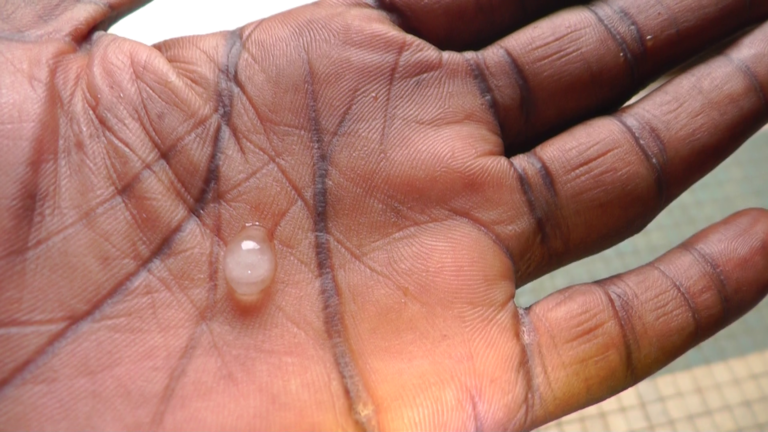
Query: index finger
point(592, 341)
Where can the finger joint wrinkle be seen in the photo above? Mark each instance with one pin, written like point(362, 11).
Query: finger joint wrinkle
point(528, 339)
point(651, 146)
point(678, 288)
point(620, 307)
point(604, 20)
point(540, 196)
point(714, 273)
point(475, 63)
point(747, 71)
point(523, 85)
point(634, 28)
point(362, 409)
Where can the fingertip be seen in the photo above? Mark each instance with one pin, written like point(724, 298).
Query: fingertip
point(739, 247)
point(739, 241)
point(753, 220)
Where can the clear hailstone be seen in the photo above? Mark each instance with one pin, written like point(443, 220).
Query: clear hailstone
point(249, 262)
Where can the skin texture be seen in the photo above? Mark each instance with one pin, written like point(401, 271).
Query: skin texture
point(409, 192)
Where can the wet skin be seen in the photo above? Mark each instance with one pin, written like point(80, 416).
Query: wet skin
point(414, 163)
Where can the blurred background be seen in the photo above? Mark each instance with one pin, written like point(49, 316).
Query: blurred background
point(721, 385)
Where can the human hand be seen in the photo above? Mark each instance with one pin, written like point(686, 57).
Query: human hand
point(377, 163)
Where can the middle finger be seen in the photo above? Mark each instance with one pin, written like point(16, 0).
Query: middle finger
point(588, 60)
point(602, 181)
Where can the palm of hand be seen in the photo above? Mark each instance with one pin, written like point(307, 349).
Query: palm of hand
point(376, 163)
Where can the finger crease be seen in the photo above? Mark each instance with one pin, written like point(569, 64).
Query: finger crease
point(678, 287)
point(544, 174)
point(474, 61)
point(752, 77)
point(526, 101)
point(634, 28)
point(619, 308)
point(650, 145)
point(528, 340)
point(714, 273)
point(542, 201)
point(616, 36)
point(537, 212)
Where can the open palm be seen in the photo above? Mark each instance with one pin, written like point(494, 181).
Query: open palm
point(409, 161)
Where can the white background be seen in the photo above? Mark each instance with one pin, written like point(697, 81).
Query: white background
point(165, 19)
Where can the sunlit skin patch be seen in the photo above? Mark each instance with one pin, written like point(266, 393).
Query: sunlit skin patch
point(249, 262)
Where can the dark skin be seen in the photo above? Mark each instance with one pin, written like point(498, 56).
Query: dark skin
point(414, 163)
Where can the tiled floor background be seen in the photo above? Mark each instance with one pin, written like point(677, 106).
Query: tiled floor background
point(721, 385)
